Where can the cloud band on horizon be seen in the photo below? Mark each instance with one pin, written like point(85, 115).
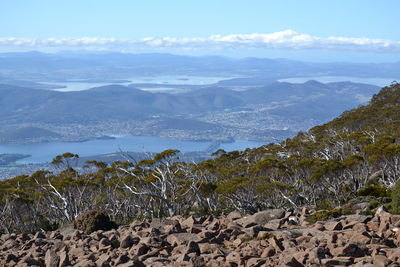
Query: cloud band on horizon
point(287, 39)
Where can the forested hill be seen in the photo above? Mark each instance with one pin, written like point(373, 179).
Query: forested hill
point(350, 160)
point(381, 115)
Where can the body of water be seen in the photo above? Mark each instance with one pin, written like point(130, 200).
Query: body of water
point(162, 80)
point(330, 79)
point(45, 152)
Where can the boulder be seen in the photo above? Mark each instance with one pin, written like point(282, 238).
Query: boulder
point(51, 259)
point(261, 218)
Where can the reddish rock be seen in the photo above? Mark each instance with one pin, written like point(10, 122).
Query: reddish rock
point(268, 252)
point(234, 257)
point(182, 238)
point(262, 217)
point(289, 260)
point(350, 250)
point(336, 262)
point(189, 222)
point(255, 262)
point(128, 241)
point(333, 226)
point(234, 215)
point(64, 259)
point(51, 259)
point(381, 261)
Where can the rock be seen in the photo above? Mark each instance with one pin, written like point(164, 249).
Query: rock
point(189, 222)
point(261, 217)
point(30, 260)
point(207, 248)
point(64, 259)
point(128, 241)
point(139, 250)
point(85, 263)
point(268, 252)
point(350, 250)
point(273, 224)
point(293, 220)
point(381, 261)
point(39, 235)
point(319, 226)
point(255, 262)
point(277, 244)
point(234, 258)
point(182, 238)
point(51, 259)
point(214, 241)
point(382, 210)
point(56, 235)
point(103, 260)
point(66, 230)
point(333, 226)
point(358, 218)
point(264, 235)
point(336, 262)
point(234, 215)
point(121, 259)
point(193, 247)
point(11, 257)
point(133, 263)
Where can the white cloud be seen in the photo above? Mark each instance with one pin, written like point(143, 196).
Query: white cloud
point(287, 39)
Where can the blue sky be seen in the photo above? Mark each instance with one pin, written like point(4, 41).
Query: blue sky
point(370, 27)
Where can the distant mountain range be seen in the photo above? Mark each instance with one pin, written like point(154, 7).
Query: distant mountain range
point(250, 104)
point(38, 66)
point(116, 102)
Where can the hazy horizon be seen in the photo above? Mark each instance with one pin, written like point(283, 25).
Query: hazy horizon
point(316, 31)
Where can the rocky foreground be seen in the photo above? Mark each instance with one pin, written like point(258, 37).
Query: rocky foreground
point(267, 238)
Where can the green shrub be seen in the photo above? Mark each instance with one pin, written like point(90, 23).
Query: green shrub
point(324, 205)
point(93, 220)
point(323, 215)
point(374, 190)
point(44, 224)
point(395, 204)
point(374, 204)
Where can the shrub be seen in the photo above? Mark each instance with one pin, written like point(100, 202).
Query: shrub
point(323, 215)
point(374, 190)
point(324, 205)
point(395, 205)
point(45, 225)
point(93, 220)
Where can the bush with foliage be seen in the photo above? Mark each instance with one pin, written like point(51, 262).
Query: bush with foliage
point(92, 221)
point(374, 191)
point(395, 204)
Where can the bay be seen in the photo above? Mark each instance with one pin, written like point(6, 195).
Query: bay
point(70, 86)
point(45, 152)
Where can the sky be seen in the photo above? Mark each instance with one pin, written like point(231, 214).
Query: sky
point(319, 30)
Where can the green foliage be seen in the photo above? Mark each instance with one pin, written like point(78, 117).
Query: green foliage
point(46, 225)
point(323, 215)
point(232, 185)
point(375, 191)
point(207, 188)
point(324, 204)
point(93, 220)
point(395, 205)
